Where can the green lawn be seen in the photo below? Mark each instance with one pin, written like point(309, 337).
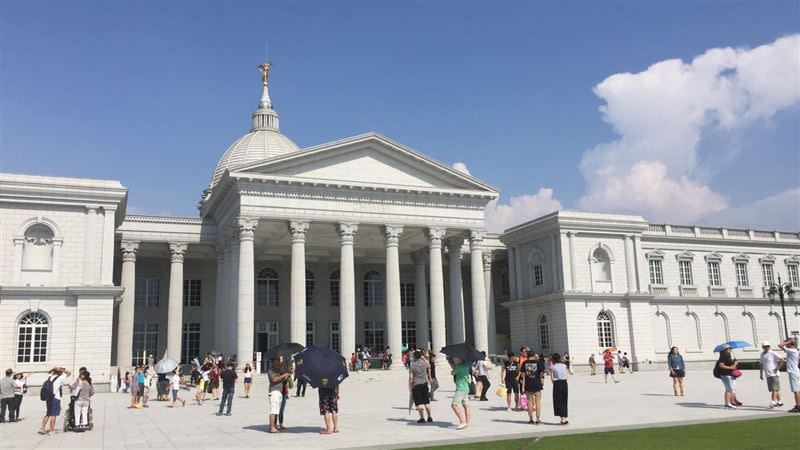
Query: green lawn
point(778, 433)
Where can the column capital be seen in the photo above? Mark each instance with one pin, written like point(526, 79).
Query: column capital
point(177, 251)
point(628, 237)
point(392, 234)
point(129, 250)
point(298, 229)
point(487, 261)
point(347, 233)
point(475, 239)
point(435, 236)
point(247, 228)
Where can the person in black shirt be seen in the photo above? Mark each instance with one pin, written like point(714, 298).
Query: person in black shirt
point(228, 377)
point(726, 364)
point(509, 375)
point(532, 375)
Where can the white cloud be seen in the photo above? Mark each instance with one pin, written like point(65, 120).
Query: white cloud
point(661, 114)
point(461, 167)
point(778, 212)
point(520, 209)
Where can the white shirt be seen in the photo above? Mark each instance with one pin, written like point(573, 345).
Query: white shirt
point(175, 382)
point(559, 371)
point(204, 374)
point(18, 384)
point(792, 357)
point(770, 362)
point(480, 366)
point(57, 383)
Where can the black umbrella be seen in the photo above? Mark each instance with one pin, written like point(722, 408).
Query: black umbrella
point(463, 351)
point(284, 350)
point(320, 367)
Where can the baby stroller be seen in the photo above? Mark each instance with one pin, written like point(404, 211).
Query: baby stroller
point(69, 418)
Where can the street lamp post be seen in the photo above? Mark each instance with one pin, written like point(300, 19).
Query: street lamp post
point(782, 291)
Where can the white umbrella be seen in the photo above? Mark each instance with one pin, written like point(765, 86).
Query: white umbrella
point(166, 365)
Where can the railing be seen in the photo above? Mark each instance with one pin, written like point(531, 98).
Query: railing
point(678, 229)
point(738, 233)
point(687, 291)
point(764, 234)
point(659, 290)
point(656, 229)
point(744, 291)
point(716, 232)
point(717, 291)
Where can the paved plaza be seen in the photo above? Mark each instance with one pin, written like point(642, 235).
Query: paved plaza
point(374, 413)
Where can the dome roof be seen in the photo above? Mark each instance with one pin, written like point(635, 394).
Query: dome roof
point(264, 141)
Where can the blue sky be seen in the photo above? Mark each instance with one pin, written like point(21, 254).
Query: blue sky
point(152, 93)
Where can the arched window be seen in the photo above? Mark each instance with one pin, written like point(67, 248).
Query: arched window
point(605, 330)
point(373, 289)
point(309, 287)
point(32, 341)
point(37, 251)
point(267, 287)
point(334, 287)
point(544, 335)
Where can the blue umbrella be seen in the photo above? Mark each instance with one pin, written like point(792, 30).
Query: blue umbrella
point(320, 367)
point(732, 344)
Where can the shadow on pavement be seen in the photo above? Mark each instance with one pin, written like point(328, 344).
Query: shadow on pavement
point(289, 430)
point(718, 406)
point(435, 423)
point(661, 395)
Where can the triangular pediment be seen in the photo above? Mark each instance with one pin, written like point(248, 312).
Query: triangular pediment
point(367, 159)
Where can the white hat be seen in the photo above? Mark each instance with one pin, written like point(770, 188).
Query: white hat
point(765, 344)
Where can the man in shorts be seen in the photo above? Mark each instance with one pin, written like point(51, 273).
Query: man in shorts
point(793, 370)
point(419, 375)
point(770, 363)
point(608, 366)
point(532, 376)
point(276, 378)
point(57, 376)
point(461, 371)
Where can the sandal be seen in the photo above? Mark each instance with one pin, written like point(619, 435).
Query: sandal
point(325, 432)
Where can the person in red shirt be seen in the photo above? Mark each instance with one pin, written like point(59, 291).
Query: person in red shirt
point(608, 364)
point(214, 378)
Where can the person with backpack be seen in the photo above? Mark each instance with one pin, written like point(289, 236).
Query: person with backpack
point(724, 369)
point(51, 395)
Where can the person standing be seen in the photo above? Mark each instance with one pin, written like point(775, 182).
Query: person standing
point(329, 408)
point(461, 371)
point(419, 375)
point(608, 366)
point(434, 380)
point(770, 363)
point(301, 387)
point(509, 374)
point(127, 381)
point(592, 364)
point(559, 374)
point(483, 384)
point(213, 375)
point(148, 380)
point(620, 362)
point(7, 397)
point(792, 369)
point(532, 376)
point(175, 386)
point(677, 370)
point(248, 379)
point(52, 390)
point(228, 378)
point(276, 378)
point(19, 391)
point(726, 364)
point(83, 400)
point(140, 387)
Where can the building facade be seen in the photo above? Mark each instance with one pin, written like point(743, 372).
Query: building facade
point(582, 282)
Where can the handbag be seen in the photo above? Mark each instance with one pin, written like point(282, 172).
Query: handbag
point(523, 402)
point(502, 391)
point(736, 373)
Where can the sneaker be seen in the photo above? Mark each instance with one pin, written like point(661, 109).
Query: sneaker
point(780, 403)
point(421, 420)
point(772, 405)
point(730, 407)
point(796, 409)
point(738, 403)
point(227, 414)
point(429, 419)
point(219, 414)
point(43, 432)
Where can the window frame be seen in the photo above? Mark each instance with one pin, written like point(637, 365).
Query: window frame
point(334, 286)
point(28, 354)
point(407, 329)
point(544, 333)
point(714, 273)
point(190, 339)
point(656, 270)
point(793, 274)
point(685, 273)
point(605, 330)
point(192, 292)
point(311, 282)
point(149, 294)
point(311, 327)
point(407, 295)
point(742, 277)
point(335, 336)
point(372, 339)
point(271, 285)
point(374, 289)
point(538, 275)
point(764, 272)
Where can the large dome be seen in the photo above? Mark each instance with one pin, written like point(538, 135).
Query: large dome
point(264, 141)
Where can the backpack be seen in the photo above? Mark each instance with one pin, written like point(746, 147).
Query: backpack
point(47, 394)
point(716, 370)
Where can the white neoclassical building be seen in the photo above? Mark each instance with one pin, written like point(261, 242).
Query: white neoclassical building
point(361, 241)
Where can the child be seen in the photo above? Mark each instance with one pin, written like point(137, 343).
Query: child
point(329, 408)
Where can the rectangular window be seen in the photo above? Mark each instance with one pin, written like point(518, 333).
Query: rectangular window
point(309, 333)
point(656, 275)
point(407, 294)
point(191, 292)
point(190, 342)
point(145, 342)
point(334, 336)
point(766, 271)
point(713, 273)
point(147, 290)
point(271, 330)
point(409, 333)
point(685, 269)
point(741, 274)
point(538, 275)
point(793, 278)
point(334, 290)
point(373, 335)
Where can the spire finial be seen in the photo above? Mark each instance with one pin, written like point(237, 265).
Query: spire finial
point(264, 69)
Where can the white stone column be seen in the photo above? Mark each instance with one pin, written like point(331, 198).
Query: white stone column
point(573, 270)
point(231, 314)
point(512, 273)
point(175, 305)
point(245, 305)
point(107, 269)
point(479, 322)
point(456, 290)
point(642, 268)
point(630, 264)
point(421, 299)
point(347, 289)
point(491, 320)
point(90, 247)
point(297, 322)
point(436, 279)
point(127, 305)
point(393, 311)
point(219, 298)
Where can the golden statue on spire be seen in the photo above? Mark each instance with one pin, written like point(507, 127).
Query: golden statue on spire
point(264, 69)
